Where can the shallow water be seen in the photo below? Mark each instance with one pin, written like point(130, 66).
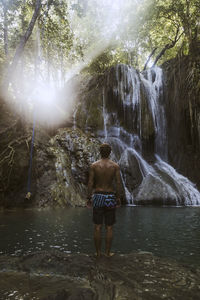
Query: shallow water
point(165, 231)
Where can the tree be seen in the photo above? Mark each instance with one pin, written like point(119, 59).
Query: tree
point(56, 37)
point(184, 14)
point(168, 46)
point(5, 5)
point(22, 42)
point(8, 9)
point(102, 33)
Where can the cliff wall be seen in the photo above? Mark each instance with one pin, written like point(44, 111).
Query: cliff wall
point(120, 107)
point(182, 93)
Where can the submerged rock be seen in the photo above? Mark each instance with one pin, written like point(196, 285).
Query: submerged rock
point(54, 275)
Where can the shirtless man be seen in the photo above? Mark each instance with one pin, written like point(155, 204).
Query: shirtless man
point(103, 173)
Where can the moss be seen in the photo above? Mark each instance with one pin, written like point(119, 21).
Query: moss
point(95, 118)
point(81, 117)
point(94, 107)
point(89, 112)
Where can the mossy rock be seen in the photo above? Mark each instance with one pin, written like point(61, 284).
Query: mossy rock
point(81, 116)
point(74, 152)
point(89, 113)
point(95, 118)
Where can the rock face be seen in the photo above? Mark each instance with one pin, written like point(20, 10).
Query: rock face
point(64, 168)
point(14, 157)
point(74, 151)
point(183, 114)
point(54, 275)
point(59, 166)
point(151, 120)
point(135, 110)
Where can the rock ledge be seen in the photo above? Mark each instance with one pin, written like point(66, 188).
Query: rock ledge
point(54, 275)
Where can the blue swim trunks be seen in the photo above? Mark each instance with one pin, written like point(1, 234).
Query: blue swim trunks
point(103, 199)
point(104, 205)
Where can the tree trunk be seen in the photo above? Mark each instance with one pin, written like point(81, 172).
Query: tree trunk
point(22, 43)
point(168, 46)
point(148, 59)
point(37, 54)
point(5, 28)
point(162, 52)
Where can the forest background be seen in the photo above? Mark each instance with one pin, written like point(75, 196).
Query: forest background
point(52, 39)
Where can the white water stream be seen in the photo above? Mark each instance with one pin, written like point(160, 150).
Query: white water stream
point(159, 180)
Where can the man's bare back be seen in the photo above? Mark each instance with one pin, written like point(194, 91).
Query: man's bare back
point(105, 172)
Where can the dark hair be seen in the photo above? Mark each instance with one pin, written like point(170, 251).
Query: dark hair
point(105, 150)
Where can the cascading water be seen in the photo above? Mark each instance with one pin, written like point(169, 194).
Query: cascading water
point(153, 87)
point(133, 112)
point(186, 194)
point(74, 117)
point(104, 117)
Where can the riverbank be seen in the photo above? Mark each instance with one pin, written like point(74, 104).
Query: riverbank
point(54, 275)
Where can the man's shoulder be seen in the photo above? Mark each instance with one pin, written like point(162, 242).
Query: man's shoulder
point(99, 162)
point(114, 163)
point(95, 163)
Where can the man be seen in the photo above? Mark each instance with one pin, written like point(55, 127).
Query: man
point(103, 174)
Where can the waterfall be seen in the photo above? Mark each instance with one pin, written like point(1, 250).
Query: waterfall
point(124, 116)
point(153, 86)
point(105, 117)
point(74, 117)
point(186, 192)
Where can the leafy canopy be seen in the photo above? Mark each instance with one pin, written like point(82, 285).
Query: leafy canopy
point(97, 34)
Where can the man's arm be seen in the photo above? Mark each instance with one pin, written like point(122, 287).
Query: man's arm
point(118, 185)
point(90, 182)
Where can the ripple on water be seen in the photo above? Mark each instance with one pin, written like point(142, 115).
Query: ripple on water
point(55, 246)
point(168, 232)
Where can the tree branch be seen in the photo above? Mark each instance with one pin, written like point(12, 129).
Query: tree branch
point(168, 46)
point(149, 57)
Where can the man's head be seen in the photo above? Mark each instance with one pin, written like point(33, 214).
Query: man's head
point(105, 150)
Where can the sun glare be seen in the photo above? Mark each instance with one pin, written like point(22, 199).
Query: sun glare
point(48, 106)
point(51, 102)
point(46, 94)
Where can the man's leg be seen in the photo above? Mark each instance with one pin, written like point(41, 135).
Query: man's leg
point(109, 222)
point(98, 221)
point(97, 239)
point(109, 236)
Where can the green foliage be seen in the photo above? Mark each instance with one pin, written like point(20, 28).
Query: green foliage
point(151, 24)
point(55, 33)
point(102, 33)
point(100, 63)
point(166, 19)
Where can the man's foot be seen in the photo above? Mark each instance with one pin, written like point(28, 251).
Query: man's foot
point(109, 254)
point(97, 255)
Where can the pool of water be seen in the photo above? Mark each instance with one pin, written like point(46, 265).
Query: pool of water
point(165, 231)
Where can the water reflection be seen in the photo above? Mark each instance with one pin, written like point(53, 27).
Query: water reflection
point(169, 232)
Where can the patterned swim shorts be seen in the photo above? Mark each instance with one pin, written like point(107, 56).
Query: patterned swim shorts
point(104, 208)
point(104, 200)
